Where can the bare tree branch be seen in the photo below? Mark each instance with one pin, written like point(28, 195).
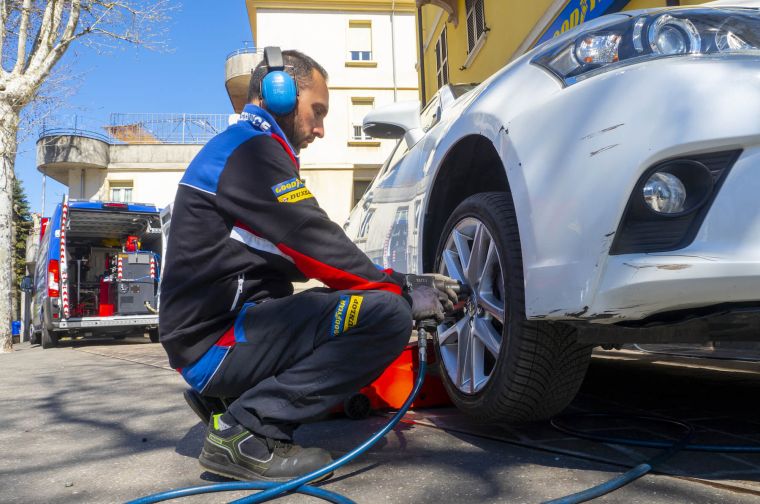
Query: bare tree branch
point(42, 42)
point(3, 19)
point(22, 33)
point(63, 43)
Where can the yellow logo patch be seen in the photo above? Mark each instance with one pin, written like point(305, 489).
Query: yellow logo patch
point(296, 195)
point(352, 317)
point(291, 191)
point(346, 314)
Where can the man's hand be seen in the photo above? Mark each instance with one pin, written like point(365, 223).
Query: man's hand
point(432, 295)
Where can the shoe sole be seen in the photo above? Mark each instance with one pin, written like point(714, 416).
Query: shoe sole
point(242, 474)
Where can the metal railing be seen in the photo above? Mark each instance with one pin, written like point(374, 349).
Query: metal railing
point(158, 128)
point(245, 50)
point(141, 128)
point(48, 132)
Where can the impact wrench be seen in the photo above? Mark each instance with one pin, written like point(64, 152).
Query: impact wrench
point(270, 491)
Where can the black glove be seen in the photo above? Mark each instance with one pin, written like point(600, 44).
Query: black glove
point(432, 295)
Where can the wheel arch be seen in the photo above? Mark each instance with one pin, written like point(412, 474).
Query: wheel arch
point(453, 184)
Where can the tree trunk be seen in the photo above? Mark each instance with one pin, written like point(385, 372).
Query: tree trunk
point(9, 121)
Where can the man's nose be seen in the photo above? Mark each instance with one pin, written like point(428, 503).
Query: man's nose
point(319, 130)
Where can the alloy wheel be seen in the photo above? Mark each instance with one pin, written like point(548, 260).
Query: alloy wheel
point(470, 343)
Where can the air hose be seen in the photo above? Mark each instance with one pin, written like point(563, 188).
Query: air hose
point(671, 448)
point(272, 491)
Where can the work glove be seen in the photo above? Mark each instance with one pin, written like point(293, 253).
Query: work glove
point(432, 295)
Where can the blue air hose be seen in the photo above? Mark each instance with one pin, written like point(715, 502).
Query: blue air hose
point(299, 485)
point(641, 469)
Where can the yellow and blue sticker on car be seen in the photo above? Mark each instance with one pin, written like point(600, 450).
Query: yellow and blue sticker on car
point(291, 191)
point(346, 314)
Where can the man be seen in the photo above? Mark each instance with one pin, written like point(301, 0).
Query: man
point(244, 226)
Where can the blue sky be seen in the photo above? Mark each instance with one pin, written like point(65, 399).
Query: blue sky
point(190, 78)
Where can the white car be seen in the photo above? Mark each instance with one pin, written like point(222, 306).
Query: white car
point(602, 189)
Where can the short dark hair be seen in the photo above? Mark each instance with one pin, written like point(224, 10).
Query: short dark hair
point(300, 66)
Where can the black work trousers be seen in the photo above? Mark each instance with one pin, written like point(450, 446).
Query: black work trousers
point(305, 353)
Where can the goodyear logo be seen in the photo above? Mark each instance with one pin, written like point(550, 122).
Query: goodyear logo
point(576, 12)
point(291, 191)
point(346, 314)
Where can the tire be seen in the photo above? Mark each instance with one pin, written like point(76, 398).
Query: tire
point(34, 336)
point(49, 338)
point(153, 334)
point(519, 370)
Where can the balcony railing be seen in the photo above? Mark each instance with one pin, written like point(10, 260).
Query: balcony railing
point(142, 128)
point(245, 50)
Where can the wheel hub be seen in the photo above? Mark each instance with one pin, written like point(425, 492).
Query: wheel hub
point(471, 306)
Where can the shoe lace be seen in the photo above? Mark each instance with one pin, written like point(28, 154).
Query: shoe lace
point(281, 448)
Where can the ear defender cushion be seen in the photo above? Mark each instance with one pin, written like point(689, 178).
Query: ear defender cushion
point(279, 91)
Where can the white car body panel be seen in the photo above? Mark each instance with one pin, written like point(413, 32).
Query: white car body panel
point(572, 157)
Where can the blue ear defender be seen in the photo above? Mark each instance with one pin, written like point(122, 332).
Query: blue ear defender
point(278, 87)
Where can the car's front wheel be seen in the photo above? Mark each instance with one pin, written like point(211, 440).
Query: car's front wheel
point(497, 365)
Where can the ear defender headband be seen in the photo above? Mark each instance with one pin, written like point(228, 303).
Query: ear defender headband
point(278, 88)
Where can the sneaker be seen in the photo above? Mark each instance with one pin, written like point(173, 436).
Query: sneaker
point(233, 451)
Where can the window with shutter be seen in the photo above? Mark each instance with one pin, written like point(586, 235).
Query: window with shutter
point(359, 40)
point(360, 107)
point(476, 22)
point(442, 60)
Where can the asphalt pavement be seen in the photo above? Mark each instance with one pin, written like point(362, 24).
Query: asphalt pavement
point(105, 421)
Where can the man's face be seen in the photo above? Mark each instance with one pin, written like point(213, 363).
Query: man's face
point(307, 121)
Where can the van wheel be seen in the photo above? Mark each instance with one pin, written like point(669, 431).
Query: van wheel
point(34, 336)
point(49, 338)
point(153, 333)
point(496, 364)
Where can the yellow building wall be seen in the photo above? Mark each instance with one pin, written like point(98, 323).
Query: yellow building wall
point(509, 21)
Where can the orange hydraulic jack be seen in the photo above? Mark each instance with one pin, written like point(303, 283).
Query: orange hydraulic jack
point(392, 388)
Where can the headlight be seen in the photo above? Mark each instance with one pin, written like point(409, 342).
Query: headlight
point(659, 34)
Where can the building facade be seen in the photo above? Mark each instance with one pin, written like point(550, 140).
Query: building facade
point(466, 41)
point(367, 49)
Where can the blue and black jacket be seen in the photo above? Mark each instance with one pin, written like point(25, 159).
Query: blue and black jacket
point(244, 226)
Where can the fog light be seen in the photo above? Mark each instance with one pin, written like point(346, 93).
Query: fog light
point(665, 193)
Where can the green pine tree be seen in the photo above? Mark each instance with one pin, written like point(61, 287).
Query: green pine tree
point(22, 226)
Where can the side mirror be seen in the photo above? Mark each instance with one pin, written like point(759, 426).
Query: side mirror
point(397, 120)
point(26, 284)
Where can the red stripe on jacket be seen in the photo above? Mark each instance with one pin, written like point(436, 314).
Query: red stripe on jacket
point(286, 147)
point(335, 278)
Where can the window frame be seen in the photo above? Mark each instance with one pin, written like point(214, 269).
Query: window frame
point(121, 186)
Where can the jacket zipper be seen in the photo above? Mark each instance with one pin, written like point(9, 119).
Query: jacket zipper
point(240, 280)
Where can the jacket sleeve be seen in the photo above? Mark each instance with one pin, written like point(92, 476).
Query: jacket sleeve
point(261, 189)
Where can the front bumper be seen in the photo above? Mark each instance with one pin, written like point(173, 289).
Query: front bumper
point(149, 321)
point(576, 189)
